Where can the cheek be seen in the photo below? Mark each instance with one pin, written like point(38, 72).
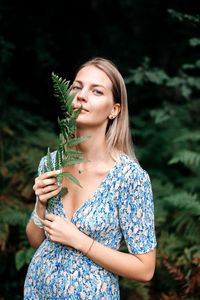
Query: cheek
point(102, 112)
point(104, 107)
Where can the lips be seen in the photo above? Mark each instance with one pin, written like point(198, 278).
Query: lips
point(83, 109)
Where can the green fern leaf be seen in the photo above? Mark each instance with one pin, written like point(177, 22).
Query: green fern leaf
point(72, 178)
point(185, 201)
point(76, 141)
point(66, 137)
point(64, 128)
point(45, 168)
point(20, 259)
point(73, 153)
point(77, 112)
point(73, 161)
point(57, 162)
point(61, 146)
point(72, 124)
point(60, 87)
point(53, 200)
point(49, 163)
point(69, 102)
point(63, 192)
point(62, 91)
point(187, 157)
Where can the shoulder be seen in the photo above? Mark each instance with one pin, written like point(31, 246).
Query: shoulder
point(135, 182)
point(131, 170)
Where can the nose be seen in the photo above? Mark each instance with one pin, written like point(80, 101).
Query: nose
point(82, 95)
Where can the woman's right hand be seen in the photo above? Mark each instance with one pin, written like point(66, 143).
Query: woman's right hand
point(45, 186)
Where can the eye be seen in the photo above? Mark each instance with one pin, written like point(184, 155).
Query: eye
point(76, 88)
point(98, 92)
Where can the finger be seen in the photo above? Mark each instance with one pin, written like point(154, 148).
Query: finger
point(47, 189)
point(50, 217)
point(47, 176)
point(47, 223)
point(44, 182)
point(48, 230)
point(50, 188)
point(50, 174)
point(45, 197)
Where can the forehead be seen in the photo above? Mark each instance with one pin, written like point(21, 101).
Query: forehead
point(94, 76)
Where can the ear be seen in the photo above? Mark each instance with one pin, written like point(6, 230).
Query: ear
point(115, 111)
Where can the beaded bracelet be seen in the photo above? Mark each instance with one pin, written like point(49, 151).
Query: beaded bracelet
point(37, 220)
point(90, 247)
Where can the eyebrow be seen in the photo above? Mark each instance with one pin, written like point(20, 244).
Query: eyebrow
point(93, 84)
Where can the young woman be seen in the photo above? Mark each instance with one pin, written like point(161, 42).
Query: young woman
point(77, 243)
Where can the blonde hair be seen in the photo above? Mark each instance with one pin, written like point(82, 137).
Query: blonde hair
point(118, 135)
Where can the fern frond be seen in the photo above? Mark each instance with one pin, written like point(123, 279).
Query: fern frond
point(64, 156)
point(72, 178)
point(59, 177)
point(186, 222)
point(61, 146)
point(72, 125)
point(54, 200)
point(139, 288)
point(13, 217)
point(61, 89)
point(63, 192)
point(73, 153)
point(45, 168)
point(64, 128)
point(49, 163)
point(189, 136)
point(185, 201)
point(73, 161)
point(187, 157)
point(76, 141)
point(58, 161)
point(23, 257)
point(51, 202)
point(70, 106)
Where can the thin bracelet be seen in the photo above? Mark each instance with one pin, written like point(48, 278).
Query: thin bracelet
point(90, 247)
point(37, 220)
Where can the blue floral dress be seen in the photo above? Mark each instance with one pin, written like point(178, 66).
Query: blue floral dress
point(121, 207)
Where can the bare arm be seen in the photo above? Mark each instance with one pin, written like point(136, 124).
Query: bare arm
point(34, 233)
point(138, 267)
point(44, 188)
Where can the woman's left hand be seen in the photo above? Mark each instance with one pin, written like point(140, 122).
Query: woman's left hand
point(61, 230)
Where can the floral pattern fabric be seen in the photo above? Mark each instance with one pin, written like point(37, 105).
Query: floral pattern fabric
point(121, 207)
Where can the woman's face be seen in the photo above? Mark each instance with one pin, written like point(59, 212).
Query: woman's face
point(93, 90)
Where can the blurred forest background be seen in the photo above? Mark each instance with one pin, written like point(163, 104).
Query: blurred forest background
point(156, 46)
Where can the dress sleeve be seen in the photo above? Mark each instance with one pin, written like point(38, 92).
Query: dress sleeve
point(136, 213)
point(40, 171)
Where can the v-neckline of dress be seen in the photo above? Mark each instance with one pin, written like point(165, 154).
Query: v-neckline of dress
point(94, 194)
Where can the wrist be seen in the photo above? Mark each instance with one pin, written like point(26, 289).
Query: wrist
point(40, 210)
point(83, 242)
point(37, 220)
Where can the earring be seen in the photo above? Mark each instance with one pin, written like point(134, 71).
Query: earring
point(112, 117)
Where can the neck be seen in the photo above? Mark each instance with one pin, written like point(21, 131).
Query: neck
point(94, 149)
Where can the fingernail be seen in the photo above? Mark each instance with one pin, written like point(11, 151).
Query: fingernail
point(58, 171)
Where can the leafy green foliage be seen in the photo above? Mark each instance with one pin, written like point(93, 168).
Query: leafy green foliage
point(174, 167)
point(23, 257)
point(67, 139)
point(182, 17)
